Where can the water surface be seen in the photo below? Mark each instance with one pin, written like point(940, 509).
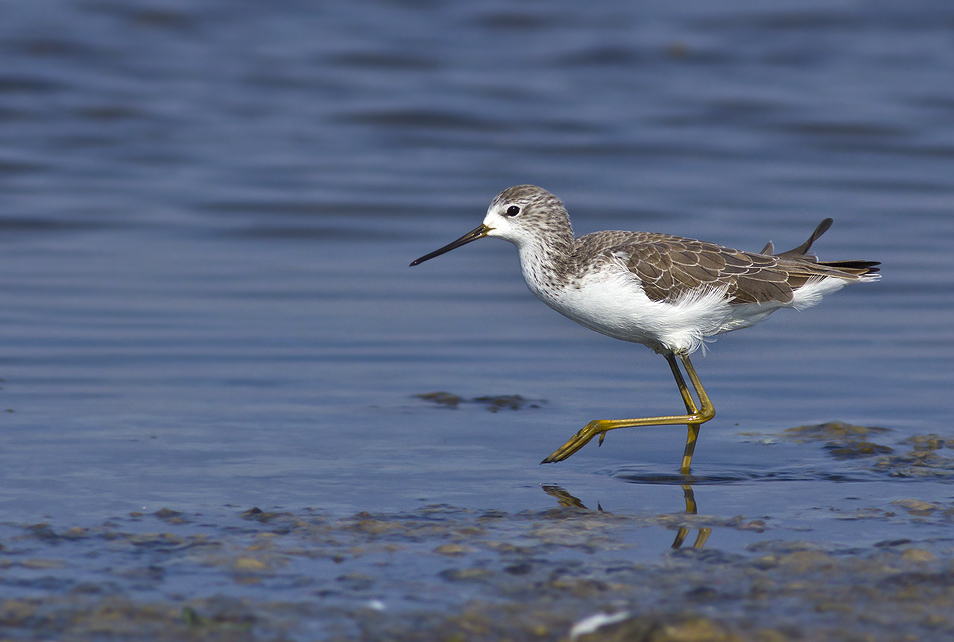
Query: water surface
point(207, 214)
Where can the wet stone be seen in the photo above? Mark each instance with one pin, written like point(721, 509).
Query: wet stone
point(249, 564)
point(465, 574)
point(75, 533)
point(491, 403)
point(446, 399)
point(917, 464)
point(171, 516)
point(453, 549)
point(42, 564)
point(847, 441)
point(505, 402)
point(833, 431)
point(518, 569)
point(928, 442)
point(893, 542)
point(43, 532)
point(855, 449)
point(918, 555)
point(356, 581)
point(916, 506)
point(257, 514)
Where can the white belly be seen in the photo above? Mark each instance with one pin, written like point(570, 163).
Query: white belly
point(614, 304)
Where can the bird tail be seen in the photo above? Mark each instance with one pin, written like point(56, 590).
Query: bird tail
point(801, 252)
point(864, 270)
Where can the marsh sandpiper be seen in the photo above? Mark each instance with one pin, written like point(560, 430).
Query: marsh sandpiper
point(666, 292)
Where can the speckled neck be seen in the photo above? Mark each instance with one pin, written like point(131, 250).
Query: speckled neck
point(549, 260)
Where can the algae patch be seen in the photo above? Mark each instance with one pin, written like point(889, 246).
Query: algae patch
point(491, 403)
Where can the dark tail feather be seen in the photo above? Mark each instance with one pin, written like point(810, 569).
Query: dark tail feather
point(859, 268)
point(856, 268)
point(801, 252)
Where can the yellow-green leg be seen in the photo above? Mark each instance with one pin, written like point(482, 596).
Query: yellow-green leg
point(705, 409)
point(694, 417)
point(690, 408)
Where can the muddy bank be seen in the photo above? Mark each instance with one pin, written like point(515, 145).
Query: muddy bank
point(455, 574)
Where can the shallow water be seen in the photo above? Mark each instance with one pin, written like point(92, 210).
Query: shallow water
point(207, 216)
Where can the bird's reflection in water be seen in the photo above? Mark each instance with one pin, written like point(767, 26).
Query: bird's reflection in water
point(567, 500)
point(704, 531)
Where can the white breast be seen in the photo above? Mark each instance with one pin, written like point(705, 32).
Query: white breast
point(613, 303)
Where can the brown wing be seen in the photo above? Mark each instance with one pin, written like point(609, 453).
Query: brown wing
point(669, 267)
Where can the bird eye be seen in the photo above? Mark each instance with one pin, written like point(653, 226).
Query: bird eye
point(513, 210)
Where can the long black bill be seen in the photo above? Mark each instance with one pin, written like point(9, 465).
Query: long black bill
point(473, 235)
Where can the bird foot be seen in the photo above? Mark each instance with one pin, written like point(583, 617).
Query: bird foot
point(577, 441)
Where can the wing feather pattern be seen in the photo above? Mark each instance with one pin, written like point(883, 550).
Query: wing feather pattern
point(671, 267)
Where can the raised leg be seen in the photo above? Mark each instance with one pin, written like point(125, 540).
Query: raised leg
point(694, 417)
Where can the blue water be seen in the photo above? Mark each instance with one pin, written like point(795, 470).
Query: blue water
point(208, 210)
